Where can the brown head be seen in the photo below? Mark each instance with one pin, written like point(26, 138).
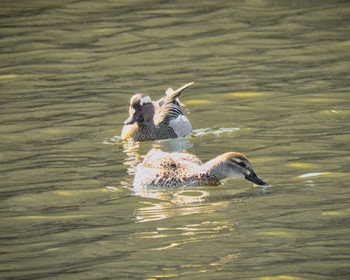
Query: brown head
point(141, 109)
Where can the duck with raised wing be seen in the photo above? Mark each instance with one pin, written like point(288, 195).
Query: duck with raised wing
point(161, 170)
point(161, 119)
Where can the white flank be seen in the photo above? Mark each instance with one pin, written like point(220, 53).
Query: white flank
point(181, 126)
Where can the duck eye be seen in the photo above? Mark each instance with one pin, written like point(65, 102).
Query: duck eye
point(136, 106)
point(242, 164)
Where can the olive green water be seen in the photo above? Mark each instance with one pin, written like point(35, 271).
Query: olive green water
point(271, 81)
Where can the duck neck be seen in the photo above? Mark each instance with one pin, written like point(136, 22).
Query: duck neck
point(212, 169)
point(148, 113)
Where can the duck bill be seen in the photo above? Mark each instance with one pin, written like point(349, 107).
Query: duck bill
point(132, 119)
point(252, 177)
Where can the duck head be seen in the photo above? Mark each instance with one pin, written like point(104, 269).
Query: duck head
point(141, 109)
point(235, 164)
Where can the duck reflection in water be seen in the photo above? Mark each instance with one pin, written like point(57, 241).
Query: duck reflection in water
point(161, 170)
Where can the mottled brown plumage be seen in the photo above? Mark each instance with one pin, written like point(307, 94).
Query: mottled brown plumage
point(161, 170)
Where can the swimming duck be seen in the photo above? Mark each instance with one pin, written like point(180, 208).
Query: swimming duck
point(160, 169)
point(162, 119)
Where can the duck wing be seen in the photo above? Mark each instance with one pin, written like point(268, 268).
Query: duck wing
point(156, 158)
point(168, 107)
point(161, 169)
point(186, 159)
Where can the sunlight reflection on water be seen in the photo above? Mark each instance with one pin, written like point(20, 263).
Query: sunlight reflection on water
point(271, 82)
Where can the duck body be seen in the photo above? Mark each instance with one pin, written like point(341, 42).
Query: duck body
point(161, 119)
point(161, 170)
point(148, 131)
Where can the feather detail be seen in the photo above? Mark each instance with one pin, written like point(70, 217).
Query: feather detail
point(168, 108)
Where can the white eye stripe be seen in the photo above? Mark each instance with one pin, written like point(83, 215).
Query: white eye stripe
point(145, 99)
point(236, 160)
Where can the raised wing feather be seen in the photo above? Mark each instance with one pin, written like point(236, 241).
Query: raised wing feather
point(168, 107)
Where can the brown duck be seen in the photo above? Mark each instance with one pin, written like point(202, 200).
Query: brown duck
point(161, 119)
point(160, 170)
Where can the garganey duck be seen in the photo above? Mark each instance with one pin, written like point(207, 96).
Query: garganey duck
point(161, 119)
point(160, 170)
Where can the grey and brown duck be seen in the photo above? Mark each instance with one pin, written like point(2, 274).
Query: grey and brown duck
point(155, 120)
point(160, 170)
